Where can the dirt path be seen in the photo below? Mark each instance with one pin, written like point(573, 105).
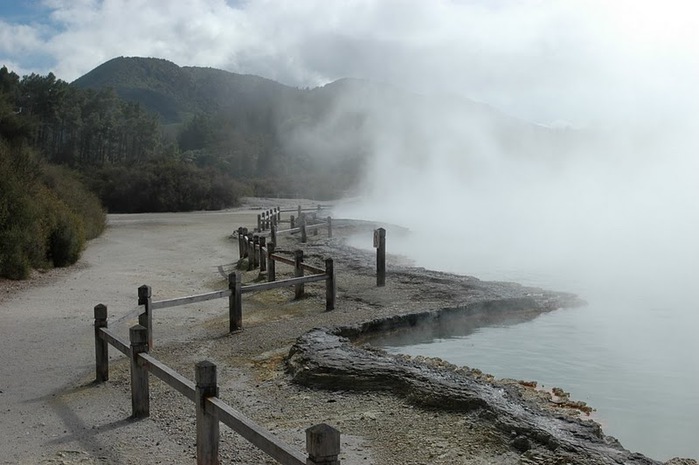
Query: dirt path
point(46, 334)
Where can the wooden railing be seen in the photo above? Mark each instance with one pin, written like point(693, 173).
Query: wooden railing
point(236, 289)
point(322, 441)
point(308, 219)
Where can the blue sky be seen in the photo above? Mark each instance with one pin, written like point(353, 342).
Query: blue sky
point(23, 11)
point(543, 60)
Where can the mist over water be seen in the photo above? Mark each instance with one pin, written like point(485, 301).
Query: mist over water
point(606, 209)
point(614, 222)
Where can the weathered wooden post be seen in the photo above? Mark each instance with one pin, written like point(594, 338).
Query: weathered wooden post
point(140, 397)
point(279, 213)
point(207, 418)
point(322, 445)
point(256, 250)
point(145, 319)
point(330, 226)
point(380, 244)
point(298, 272)
point(271, 267)
point(241, 243)
point(292, 222)
point(330, 285)
point(299, 211)
point(251, 254)
point(259, 223)
point(235, 303)
point(101, 346)
point(273, 233)
point(315, 229)
point(263, 254)
point(245, 242)
point(302, 221)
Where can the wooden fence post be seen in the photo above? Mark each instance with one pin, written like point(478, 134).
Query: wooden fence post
point(298, 272)
point(140, 398)
point(145, 319)
point(315, 218)
point(292, 223)
point(302, 221)
point(271, 267)
point(263, 254)
point(380, 244)
point(258, 251)
point(101, 346)
point(322, 445)
point(245, 242)
point(241, 246)
point(259, 223)
point(330, 285)
point(207, 420)
point(235, 303)
point(251, 254)
point(299, 211)
point(273, 233)
point(330, 227)
point(279, 213)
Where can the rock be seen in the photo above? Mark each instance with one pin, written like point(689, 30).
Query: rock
point(521, 444)
point(324, 358)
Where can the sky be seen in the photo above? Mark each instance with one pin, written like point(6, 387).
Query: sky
point(548, 61)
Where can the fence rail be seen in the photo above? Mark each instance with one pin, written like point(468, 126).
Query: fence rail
point(322, 441)
point(190, 299)
point(236, 289)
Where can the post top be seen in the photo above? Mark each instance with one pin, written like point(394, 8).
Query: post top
point(322, 440)
point(205, 373)
point(144, 291)
point(101, 311)
point(138, 334)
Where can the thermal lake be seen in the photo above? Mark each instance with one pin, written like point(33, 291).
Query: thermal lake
point(631, 352)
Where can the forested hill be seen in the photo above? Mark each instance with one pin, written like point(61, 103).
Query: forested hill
point(177, 93)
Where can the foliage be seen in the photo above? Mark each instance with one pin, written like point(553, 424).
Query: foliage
point(164, 185)
point(43, 215)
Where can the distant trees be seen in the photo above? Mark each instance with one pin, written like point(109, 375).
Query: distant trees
point(78, 127)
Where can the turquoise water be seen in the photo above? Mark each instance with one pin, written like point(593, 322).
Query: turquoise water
point(632, 352)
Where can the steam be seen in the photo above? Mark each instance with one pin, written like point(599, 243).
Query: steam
point(609, 198)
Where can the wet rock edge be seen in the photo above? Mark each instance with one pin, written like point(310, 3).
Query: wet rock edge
point(330, 358)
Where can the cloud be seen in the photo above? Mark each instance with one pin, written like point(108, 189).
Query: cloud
point(543, 60)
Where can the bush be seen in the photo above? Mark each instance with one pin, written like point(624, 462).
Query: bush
point(43, 213)
point(71, 190)
point(66, 240)
point(164, 185)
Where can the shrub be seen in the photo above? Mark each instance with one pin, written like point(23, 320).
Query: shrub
point(43, 213)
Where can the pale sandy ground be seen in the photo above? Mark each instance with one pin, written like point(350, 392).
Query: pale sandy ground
point(48, 410)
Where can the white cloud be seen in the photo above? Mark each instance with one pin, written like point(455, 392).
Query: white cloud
point(541, 59)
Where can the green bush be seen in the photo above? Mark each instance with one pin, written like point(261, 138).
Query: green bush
point(66, 239)
point(164, 185)
point(43, 214)
point(71, 190)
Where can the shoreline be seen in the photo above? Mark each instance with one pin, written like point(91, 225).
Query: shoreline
point(377, 427)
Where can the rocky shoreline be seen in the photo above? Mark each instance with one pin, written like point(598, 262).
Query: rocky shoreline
point(533, 426)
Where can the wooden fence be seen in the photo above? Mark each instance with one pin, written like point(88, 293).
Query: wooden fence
point(269, 220)
point(235, 290)
point(322, 441)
